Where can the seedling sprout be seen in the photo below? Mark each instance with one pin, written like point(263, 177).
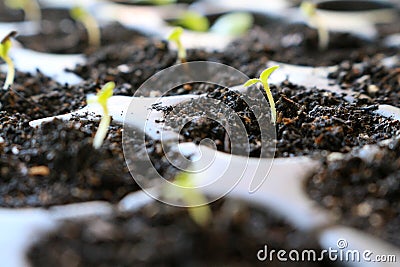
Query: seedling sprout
point(5, 46)
point(199, 212)
point(175, 36)
point(101, 98)
point(309, 9)
point(263, 79)
point(90, 23)
point(31, 8)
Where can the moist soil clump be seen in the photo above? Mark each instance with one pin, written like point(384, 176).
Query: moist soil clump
point(362, 192)
point(309, 121)
point(159, 234)
point(371, 79)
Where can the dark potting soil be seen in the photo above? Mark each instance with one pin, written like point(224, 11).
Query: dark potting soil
point(127, 64)
point(371, 79)
point(60, 152)
point(60, 34)
point(134, 64)
point(363, 193)
point(38, 96)
point(298, 44)
point(57, 164)
point(309, 121)
point(10, 15)
point(161, 235)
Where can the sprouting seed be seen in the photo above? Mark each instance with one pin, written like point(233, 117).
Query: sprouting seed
point(5, 46)
point(31, 8)
point(102, 98)
point(185, 189)
point(309, 10)
point(175, 36)
point(93, 30)
point(263, 79)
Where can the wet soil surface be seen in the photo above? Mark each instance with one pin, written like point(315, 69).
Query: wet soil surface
point(362, 192)
point(162, 235)
point(38, 96)
point(133, 64)
point(309, 121)
point(60, 34)
point(371, 79)
point(298, 44)
point(57, 164)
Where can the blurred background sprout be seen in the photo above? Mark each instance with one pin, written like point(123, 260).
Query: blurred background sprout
point(175, 36)
point(185, 189)
point(5, 46)
point(31, 8)
point(309, 10)
point(78, 13)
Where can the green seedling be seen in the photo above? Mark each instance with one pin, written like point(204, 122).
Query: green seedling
point(90, 23)
point(263, 79)
point(101, 98)
point(5, 46)
point(309, 10)
point(194, 21)
point(185, 189)
point(175, 37)
point(31, 8)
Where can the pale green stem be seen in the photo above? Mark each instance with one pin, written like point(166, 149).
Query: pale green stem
point(200, 214)
point(93, 31)
point(270, 100)
point(181, 51)
point(101, 131)
point(10, 73)
point(32, 11)
point(323, 32)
